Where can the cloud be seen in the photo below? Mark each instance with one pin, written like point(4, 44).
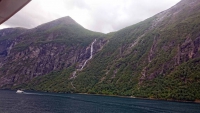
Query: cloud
point(97, 15)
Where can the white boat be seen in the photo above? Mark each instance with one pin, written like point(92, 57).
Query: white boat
point(19, 91)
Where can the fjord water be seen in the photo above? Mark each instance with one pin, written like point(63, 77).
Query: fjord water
point(37, 102)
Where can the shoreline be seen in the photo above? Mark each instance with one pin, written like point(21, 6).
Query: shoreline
point(133, 97)
point(169, 100)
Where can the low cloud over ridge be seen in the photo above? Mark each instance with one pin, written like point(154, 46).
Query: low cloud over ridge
point(96, 15)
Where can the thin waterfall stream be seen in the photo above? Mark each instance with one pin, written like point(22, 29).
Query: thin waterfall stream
point(91, 55)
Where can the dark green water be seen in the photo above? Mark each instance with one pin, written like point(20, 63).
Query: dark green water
point(37, 102)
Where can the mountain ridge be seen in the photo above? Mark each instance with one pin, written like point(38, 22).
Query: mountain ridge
point(67, 21)
point(53, 46)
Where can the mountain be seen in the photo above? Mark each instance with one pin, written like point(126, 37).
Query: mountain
point(30, 53)
point(156, 58)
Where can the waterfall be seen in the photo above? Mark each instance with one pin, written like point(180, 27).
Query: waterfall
point(91, 55)
point(74, 74)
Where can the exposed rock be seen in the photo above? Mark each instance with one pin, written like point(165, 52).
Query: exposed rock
point(25, 55)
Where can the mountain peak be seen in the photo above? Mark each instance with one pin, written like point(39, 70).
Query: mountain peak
point(67, 20)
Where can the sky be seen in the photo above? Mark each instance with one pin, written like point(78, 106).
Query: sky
point(96, 15)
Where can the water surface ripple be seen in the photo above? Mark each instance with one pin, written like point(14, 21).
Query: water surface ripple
point(37, 102)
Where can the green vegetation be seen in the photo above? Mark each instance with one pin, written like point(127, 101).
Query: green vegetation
point(70, 35)
point(152, 59)
point(57, 81)
point(181, 84)
point(116, 70)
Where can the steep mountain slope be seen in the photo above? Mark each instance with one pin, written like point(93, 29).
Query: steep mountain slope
point(156, 58)
point(53, 46)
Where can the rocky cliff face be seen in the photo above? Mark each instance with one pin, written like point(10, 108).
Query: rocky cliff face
point(24, 55)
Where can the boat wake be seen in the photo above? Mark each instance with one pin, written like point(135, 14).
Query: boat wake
point(43, 94)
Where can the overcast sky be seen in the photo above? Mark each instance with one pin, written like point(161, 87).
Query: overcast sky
point(96, 15)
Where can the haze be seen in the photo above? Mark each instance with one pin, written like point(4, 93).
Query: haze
point(96, 15)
